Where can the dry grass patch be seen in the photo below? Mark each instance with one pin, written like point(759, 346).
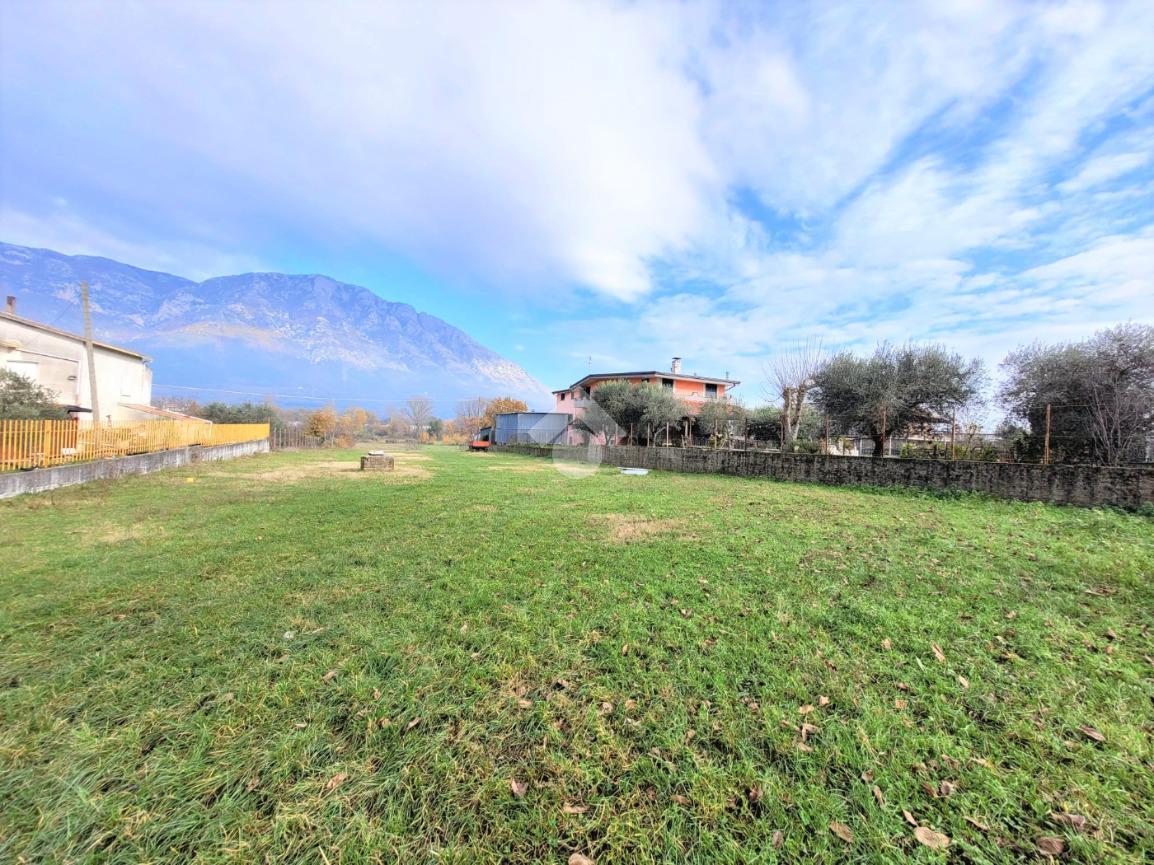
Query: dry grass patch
point(527, 468)
point(406, 465)
point(629, 528)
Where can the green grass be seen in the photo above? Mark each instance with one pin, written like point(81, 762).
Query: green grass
point(639, 647)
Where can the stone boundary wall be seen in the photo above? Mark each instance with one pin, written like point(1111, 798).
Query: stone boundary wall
point(42, 480)
point(1083, 485)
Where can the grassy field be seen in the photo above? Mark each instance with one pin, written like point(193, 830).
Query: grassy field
point(478, 659)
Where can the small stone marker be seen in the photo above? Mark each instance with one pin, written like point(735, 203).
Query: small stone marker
point(376, 461)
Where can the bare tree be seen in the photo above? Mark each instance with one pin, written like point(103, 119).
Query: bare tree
point(789, 377)
point(471, 415)
point(418, 412)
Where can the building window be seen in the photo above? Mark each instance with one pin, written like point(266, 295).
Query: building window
point(711, 391)
point(667, 383)
point(562, 397)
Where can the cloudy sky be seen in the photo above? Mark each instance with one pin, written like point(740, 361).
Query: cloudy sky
point(613, 183)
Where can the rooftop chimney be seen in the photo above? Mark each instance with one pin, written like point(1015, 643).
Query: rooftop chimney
point(11, 304)
point(676, 367)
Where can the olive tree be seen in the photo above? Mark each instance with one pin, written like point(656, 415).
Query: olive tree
point(897, 386)
point(1100, 393)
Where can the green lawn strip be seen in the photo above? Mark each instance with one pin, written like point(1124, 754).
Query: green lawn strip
point(266, 666)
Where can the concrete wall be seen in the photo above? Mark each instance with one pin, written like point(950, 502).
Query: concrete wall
point(1086, 486)
point(42, 480)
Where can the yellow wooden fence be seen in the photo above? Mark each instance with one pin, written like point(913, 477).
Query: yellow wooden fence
point(29, 444)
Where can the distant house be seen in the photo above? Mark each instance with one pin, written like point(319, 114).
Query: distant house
point(56, 359)
point(693, 390)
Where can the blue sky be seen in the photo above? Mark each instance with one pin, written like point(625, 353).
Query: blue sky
point(620, 182)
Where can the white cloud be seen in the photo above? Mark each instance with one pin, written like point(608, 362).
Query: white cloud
point(896, 153)
point(1103, 169)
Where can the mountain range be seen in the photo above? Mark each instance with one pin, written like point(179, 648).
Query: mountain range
point(297, 339)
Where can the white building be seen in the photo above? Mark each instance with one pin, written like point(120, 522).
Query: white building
point(56, 359)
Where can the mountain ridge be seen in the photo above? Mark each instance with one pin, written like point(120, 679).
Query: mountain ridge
point(300, 337)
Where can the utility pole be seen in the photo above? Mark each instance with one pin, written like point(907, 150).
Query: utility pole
point(1046, 442)
point(883, 453)
point(953, 436)
point(91, 354)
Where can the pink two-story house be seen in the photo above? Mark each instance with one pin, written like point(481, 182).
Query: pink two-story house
point(693, 390)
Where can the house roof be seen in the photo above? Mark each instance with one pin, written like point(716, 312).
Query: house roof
point(612, 376)
point(38, 325)
point(169, 414)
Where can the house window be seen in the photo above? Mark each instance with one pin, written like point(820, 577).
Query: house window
point(667, 383)
point(711, 391)
point(562, 397)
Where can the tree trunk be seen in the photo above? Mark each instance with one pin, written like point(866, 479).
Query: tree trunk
point(879, 443)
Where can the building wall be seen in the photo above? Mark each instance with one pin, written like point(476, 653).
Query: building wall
point(59, 363)
point(1082, 485)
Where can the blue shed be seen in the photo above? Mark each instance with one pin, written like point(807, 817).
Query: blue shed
point(530, 427)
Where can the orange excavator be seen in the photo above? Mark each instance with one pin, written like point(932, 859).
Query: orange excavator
point(482, 440)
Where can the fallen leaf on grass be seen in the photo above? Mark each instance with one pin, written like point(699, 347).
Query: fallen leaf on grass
point(336, 781)
point(938, 653)
point(519, 788)
point(878, 795)
point(887, 644)
point(778, 838)
point(574, 809)
point(606, 708)
point(1051, 845)
point(525, 704)
point(899, 703)
point(909, 818)
point(933, 840)
point(755, 794)
point(329, 676)
point(679, 799)
point(867, 775)
point(947, 788)
point(412, 723)
point(1075, 821)
point(842, 831)
point(1091, 733)
point(578, 859)
point(964, 682)
point(804, 710)
point(930, 790)
point(801, 746)
point(807, 730)
point(252, 784)
point(823, 700)
point(300, 725)
point(973, 821)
